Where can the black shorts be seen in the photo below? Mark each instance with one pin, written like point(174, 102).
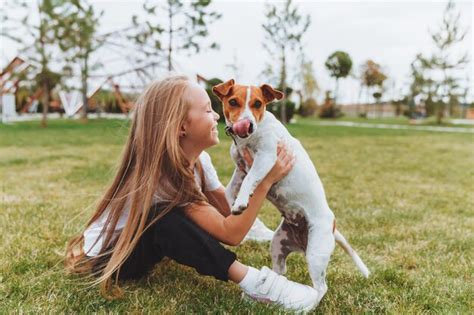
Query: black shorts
point(177, 237)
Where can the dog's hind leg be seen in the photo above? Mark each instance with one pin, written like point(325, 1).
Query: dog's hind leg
point(284, 242)
point(321, 244)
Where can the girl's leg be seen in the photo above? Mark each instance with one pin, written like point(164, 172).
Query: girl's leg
point(182, 240)
point(237, 272)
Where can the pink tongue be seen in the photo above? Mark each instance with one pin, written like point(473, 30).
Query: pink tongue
point(241, 127)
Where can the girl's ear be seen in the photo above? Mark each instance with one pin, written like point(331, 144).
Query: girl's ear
point(223, 89)
point(182, 131)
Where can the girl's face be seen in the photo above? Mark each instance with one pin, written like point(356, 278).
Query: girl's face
point(200, 127)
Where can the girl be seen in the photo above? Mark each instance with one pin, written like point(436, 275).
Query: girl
point(166, 200)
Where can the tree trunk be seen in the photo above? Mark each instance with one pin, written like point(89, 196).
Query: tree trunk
point(464, 111)
point(85, 74)
point(45, 101)
point(367, 104)
point(439, 113)
point(336, 93)
point(44, 72)
point(283, 85)
point(359, 101)
point(170, 44)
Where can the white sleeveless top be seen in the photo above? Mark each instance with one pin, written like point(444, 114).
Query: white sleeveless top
point(92, 233)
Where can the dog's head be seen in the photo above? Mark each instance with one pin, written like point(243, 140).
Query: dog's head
point(244, 106)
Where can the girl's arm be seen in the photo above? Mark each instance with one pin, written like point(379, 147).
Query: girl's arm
point(232, 229)
point(217, 200)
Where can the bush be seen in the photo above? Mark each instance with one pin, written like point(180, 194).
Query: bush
point(308, 107)
point(329, 108)
point(215, 101)
point(275, 109)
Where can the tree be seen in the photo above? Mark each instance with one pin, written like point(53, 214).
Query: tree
point(373, 77)
point(78, 33)
point(339, 65)
point(447, 59)
point(433, 78)
point(185, 29)
point(329, 108)
point(284, 29)
point(36, 36)
point(421, 86)
point(309, 90)
point(378, 95)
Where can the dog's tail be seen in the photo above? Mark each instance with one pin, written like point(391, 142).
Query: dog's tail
point(348, 249)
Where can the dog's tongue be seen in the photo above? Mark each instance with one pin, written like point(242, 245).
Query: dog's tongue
point(241, 127)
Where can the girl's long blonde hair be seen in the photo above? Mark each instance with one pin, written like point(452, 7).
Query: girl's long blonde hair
point(152, 153)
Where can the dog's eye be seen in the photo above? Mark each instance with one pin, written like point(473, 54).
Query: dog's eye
point(233, 102)
point(257, 104)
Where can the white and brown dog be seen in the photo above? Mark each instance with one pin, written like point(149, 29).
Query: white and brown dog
point(308, 223)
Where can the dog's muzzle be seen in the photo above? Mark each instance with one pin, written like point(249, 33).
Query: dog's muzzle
point(242, 128)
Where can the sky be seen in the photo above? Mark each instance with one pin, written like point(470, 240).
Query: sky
point(389, 32)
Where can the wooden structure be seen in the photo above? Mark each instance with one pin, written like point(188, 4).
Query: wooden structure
point(125, 106)
point(8, 81)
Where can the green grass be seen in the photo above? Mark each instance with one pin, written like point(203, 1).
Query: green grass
point(400, 120)
point(403, 199)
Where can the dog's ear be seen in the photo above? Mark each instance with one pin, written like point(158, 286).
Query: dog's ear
point(223, 89)
point(269, 93)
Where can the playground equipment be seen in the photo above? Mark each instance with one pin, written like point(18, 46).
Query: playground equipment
point(9, 77)
point(71, 102)
point(125, 106)
point(9, 82)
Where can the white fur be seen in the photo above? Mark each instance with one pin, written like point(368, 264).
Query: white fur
point(300, 193)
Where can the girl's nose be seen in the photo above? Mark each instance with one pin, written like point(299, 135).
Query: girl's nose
point(216, 115)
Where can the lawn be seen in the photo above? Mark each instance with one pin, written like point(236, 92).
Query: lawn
point(400, 120)
point(404, 199)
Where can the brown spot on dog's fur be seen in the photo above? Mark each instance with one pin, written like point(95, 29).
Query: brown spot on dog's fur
point(256, 95)
point(296, 228)
point(239, 93)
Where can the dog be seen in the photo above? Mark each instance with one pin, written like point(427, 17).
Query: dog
point(308, 224)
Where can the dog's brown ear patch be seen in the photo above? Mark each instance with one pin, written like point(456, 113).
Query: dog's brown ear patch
point(223, 89)
point(270, 93)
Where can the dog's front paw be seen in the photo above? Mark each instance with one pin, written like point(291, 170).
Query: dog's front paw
point(239, 206)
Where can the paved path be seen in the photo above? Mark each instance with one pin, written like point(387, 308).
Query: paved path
point(388, 126)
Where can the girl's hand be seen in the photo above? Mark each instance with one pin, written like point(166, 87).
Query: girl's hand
point(283, 165)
